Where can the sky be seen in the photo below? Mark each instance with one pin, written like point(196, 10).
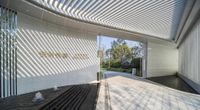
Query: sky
point(106, 42)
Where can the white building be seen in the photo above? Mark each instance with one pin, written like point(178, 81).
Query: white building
point(56, 40)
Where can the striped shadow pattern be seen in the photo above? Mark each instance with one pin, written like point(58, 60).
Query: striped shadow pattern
point(40, 62)
point(70, 99)
point(157, 18)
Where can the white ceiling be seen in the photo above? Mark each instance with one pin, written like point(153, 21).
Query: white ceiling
point(157, 18)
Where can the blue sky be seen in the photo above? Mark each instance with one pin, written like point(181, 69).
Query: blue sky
point(106, 42)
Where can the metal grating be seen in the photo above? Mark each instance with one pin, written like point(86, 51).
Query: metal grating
point(70, 99)
point(158, 18)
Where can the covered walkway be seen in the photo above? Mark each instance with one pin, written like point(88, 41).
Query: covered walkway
point(121, 91)
point(53, 43)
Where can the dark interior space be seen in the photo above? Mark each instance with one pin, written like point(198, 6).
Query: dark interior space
point(175, 82)
point(75, 97)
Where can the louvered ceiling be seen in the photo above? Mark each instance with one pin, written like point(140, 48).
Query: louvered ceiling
point(158, 18)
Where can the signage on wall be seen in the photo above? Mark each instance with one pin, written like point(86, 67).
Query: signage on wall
point(46, 54)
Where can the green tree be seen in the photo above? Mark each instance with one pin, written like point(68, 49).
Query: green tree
point(137, 51)
point(122, 52)
point(117, 42)
point(108, 52)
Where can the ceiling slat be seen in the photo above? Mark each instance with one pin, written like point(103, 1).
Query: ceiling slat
point(158, 18)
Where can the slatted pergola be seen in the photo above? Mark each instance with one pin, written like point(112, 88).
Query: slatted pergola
point(157, 18)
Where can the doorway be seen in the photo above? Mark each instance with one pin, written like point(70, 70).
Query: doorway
point(121, 55)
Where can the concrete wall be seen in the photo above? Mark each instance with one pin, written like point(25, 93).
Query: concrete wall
point(50, 54)
point(189, 57)
point(162, 59)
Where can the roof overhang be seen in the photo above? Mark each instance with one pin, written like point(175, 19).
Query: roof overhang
point(156, 18)
point(46, 11)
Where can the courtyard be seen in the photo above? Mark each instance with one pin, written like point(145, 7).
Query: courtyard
point(121, 91)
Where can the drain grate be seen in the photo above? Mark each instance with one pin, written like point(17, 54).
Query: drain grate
point(70, 99)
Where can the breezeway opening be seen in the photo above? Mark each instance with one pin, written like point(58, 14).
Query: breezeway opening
point(121, 55)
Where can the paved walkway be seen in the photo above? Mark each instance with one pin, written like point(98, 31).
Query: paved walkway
point(120, 91)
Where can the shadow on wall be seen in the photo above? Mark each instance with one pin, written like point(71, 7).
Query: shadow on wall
point(80, 76)
point(67, 58)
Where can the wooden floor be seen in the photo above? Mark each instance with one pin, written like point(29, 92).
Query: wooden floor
point(80, 97)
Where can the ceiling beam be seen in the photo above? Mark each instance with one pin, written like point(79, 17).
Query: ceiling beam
point(188, 8)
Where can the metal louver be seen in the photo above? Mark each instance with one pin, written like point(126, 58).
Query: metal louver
point(159, 18)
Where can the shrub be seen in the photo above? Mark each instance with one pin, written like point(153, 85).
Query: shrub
point(126, 65)
point(105, 64)
point(115, 63)
point(120, 70)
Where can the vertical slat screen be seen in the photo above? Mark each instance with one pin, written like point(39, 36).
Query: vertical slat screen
point(8, 52)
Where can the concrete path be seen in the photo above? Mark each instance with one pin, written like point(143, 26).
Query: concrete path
point(121, 91)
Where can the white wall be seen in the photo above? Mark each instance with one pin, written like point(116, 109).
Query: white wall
point(36, 72)
point(189, 55)
point(162, 60)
